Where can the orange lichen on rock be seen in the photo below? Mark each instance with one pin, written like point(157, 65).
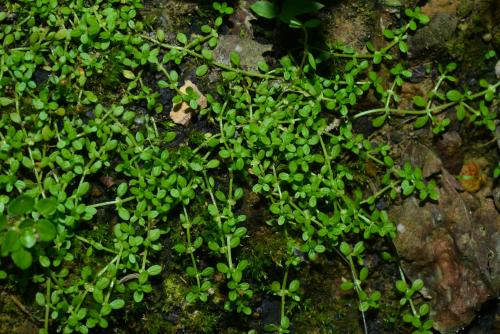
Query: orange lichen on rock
point(471, 177)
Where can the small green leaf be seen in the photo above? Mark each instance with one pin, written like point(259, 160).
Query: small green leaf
point(265, 9)
point(401, 286)
point(180, 248)
point(359, 248)
point(388, 161)
point(5, 101)
point(40, 299)
point(346, 285)
point(285, 322)
point(423, 310)
point(197, 167)
point(11, 241)
point(364, 306)
point(98, 295)
point(160, 35)
point(123, 213)
point(117, 304)
point(312, 23)
point(311, 60)
point(129, 74)
point(21, 205)
point(235, 58)
point(417, 285)
point(294, 285)
point(181, 38)
point(345, 248)
point(453, 95)
point(201, 70)
point(419, 101)
point(154, 270)
point(44, 261)
point(22, 258)
point(262, 65)
point(122, 189)
point(3, 221)
point(423, 19)
point(379, 121)
point(83, 188)
point(223, 268)
point(403, 46)
point(15, 117)
point(421, 121)
point(363, 274)
point(229, 75)
point(388, 33)
point(207, 54)
point(275, 286)
point(214, 163)
point(46, 206)
point(46, 230)
point(27, 237)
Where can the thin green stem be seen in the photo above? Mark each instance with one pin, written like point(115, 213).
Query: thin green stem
point(410, 301)
point(190, 247)
point(120, 200)
point(47, 305)
point(433, 111)
point(37, 175)
point(305, 52)
point(283, 294)
point(357, 287)
point(95, 244)
point(380, 192)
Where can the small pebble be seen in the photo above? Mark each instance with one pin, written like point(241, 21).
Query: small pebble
point(496, 197)
point(487, 37)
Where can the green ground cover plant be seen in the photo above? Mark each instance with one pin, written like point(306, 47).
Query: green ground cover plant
point(81, 101)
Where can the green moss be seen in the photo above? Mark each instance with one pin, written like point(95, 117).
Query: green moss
point(267, 248)
point(185, 317)
point(174, 293)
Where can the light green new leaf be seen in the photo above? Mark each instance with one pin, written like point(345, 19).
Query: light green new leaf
point(265, 9)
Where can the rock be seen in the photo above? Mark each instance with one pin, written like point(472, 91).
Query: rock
point(349, 23)
point(450, 152)
point(497, 130)
point(181, 113)
point(471, 176)
point(410, 89)
point(434, 36)
point(452, 246)
point(423, 157)
point(434, 7)
point(95, 191)
point(496, 197)
point(241, 18)
point(497, 69)
point(107, 181)
point(454, 249)
point(249, 50)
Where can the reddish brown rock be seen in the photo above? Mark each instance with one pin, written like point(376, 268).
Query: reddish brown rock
point(453, 246)
point(471, 176)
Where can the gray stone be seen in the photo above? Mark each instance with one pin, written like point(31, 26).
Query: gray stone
point(249, 50)
point(434, 36)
